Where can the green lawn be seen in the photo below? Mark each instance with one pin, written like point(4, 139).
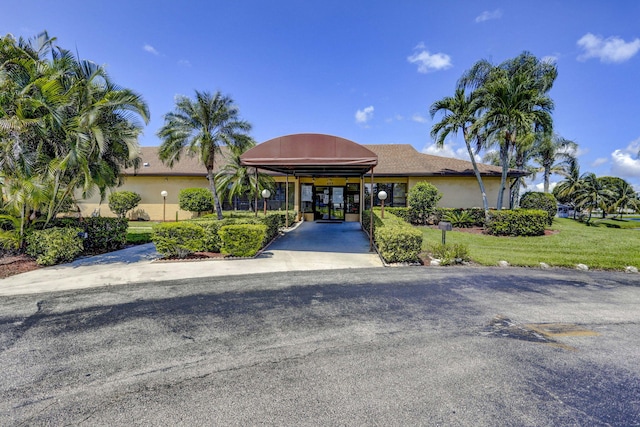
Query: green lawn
point(573, 243)
point(139, 232)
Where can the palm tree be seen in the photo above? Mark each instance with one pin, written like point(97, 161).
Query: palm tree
point(200, 127)
point(623, 195)
point(459, 115)
point(593, 193)
point(514, 103)
point(235, 179)
point(66, 123)
point(553, 153)
point(565, 192)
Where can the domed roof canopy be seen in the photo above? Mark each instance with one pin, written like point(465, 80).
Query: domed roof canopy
point(311, 154)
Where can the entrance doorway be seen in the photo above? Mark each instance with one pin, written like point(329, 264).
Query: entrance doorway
point(329, 203)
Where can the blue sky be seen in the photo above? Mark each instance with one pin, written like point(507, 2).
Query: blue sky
point(363, 70)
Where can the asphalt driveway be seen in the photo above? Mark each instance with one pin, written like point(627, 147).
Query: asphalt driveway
point(409, 346)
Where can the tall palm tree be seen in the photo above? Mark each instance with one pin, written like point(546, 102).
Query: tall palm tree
point(235, 179)
point(459, 115)
point(514, 103)
point(199, 128)
point(553, 153)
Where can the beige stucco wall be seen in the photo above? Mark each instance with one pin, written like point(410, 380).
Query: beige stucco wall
point(464, 192)
point(457, 192)
point(151, 205)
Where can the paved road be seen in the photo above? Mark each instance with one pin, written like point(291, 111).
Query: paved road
point(395, 346)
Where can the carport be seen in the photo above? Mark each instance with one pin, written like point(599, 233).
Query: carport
point(309, 158)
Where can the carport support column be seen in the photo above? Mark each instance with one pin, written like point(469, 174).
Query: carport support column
point(286, 202)
point(256, 191)
point(371, 216)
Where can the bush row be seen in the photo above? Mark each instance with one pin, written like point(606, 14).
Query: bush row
point(240, 235)
point(459, 217)
point(396, 240)
point(517, 222)
point(70, 237)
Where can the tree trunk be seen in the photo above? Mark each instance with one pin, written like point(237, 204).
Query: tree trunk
point(485, 203)
point(214, 192)
point(504, 159)
point(547, 174)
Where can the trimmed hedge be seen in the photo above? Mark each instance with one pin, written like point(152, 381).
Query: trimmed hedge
point(396, 240)
point(242, 240)
point(103, 234)
point(55, 245)
point(439, 214)
point(178, 238)
point(517, 222)
point(544, 201)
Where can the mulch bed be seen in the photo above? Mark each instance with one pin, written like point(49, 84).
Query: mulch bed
point(11, 265)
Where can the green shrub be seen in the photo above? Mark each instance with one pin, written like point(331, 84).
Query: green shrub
point(242, 240)
point(55, 245)
point(398, 243)
point(459, 218)
point(195, 200)
point(422, 199)
point(122, 202)
point(396, 240)
point(273, 223)
point(104, 234)
point(543, 201)
point(178, 238)
point(211, 240)
point(476, 214)
point(518, 222)
point(450, 253)
point(400, 212)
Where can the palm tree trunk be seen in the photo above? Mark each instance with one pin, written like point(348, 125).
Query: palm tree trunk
point(504, 158)
point(212, 187)
point(476, 171)
point(547, 174)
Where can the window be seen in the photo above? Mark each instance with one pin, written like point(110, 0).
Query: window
point(396, 194)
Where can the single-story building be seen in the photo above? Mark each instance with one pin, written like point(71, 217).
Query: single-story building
point(320, 176)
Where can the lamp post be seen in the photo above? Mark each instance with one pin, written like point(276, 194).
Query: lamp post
point(164, 194)
point(266, 194)
point(382, 195)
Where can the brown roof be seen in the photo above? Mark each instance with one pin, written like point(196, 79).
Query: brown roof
point(404, 160)
point(393, 160)
point(187, 166)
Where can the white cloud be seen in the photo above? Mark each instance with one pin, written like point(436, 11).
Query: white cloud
point(625, 162)
point(540, 186)
point(428, 62)
point(364, 115)
point(449, 149)
point(599, 162)
point(488, 15)
point(611, 49)
point(150, 49)
point(417, 117)
point(184, 63)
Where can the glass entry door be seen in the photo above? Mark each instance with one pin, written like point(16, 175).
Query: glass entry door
point(329, 203)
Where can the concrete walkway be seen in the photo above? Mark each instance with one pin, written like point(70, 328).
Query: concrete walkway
point(308, 246)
